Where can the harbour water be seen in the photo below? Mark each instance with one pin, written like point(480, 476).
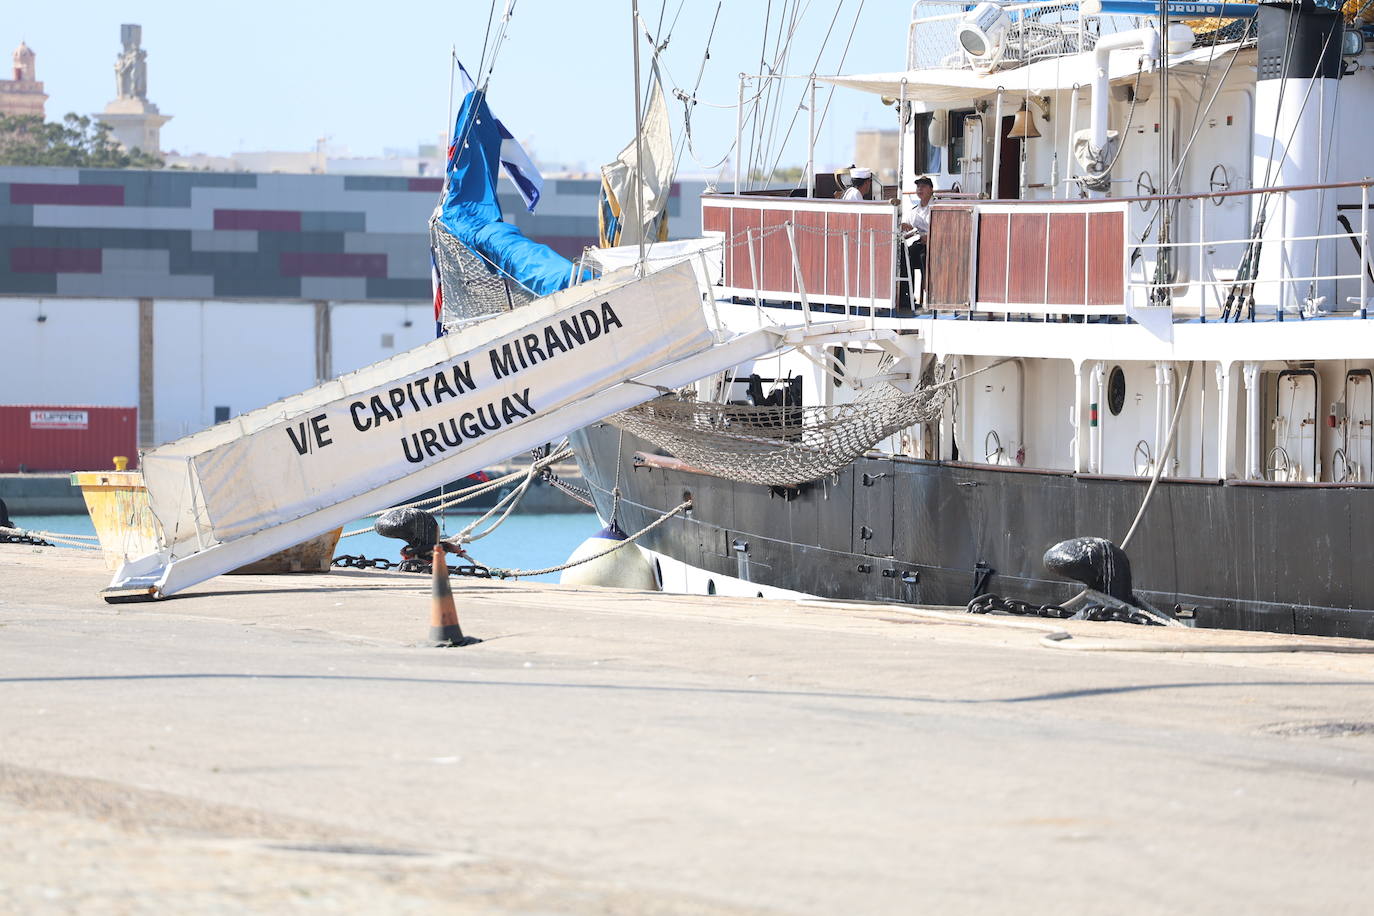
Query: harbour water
point(521, 542)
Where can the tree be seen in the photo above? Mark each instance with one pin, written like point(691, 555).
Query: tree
point(78, 142)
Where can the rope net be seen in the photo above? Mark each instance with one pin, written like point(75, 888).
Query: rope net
point(473, 288)
point(785, 445)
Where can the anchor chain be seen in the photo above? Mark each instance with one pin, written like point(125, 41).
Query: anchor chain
point(24, 539)
point(1099, 613)
point(348, 561)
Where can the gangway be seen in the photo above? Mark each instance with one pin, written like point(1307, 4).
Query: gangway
point(293, 470)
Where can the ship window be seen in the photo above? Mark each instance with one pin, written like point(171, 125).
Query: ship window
point(221, 414)
point(956, 139)
point(1116, 391)
point(925, 156)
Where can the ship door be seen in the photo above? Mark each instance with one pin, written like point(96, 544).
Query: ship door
point(971, 165)
point(873, 508)
point(1220, 161)
point(1292, 453)
point(1358, 439)
point(1009, 167)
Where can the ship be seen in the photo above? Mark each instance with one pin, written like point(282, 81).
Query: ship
point(1117, 296)
point(1142, 317)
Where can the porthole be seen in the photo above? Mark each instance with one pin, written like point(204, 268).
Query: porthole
point(1116, 391)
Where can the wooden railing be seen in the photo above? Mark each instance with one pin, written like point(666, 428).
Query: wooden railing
point(1063, 258)
point(806, 250)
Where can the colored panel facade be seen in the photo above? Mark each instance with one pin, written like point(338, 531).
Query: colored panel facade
point(178, 234)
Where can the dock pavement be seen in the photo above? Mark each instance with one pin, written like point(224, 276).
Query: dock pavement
point(290, 744)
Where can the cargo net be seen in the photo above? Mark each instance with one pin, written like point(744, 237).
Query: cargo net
point(787, 445)
point(473, 287)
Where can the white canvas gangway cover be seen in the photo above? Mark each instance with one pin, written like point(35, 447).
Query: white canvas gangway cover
point(276, 476)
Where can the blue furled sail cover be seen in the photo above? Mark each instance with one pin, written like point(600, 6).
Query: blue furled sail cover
point(471, 212)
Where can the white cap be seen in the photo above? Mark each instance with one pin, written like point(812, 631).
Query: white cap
point(860, 173)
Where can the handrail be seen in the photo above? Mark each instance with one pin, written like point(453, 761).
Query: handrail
point(1201, 195)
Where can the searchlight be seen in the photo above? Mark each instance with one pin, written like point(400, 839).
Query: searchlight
point(982, 31)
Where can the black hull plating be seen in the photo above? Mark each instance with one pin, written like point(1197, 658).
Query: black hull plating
point(1288, 559)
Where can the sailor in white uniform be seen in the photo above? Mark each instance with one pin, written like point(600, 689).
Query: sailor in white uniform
point(862, 187)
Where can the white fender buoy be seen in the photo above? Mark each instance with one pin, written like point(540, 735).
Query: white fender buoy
point(623, 568)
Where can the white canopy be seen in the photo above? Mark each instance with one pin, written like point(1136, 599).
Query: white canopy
point(938, 87)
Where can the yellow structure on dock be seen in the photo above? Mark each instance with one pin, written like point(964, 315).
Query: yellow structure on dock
point(117, 502)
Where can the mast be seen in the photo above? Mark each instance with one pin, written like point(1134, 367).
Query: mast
point(639, 139)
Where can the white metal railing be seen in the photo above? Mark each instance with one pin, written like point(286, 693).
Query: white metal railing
point(1039, 30)
point(1271, 274)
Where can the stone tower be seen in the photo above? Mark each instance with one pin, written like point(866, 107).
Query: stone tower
point(23, 95)
point(134, 121)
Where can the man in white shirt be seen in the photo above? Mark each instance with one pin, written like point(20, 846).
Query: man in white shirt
point(862, 187)
point(915, 228)
point(916, 219)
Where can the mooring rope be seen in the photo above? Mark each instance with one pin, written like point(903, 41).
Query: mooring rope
point(520, 573)
point(69, 540)
point(464, 495)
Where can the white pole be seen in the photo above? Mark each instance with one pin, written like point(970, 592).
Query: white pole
point(902, 120)
point(639, 141)
point(797, 275)
point(1252, 421)
point(1364, 249)
point(1073, 128)
point(739, 131)
point(997, 143)
point(811, 140)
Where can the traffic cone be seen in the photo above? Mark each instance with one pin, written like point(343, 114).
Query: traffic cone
point(444, 629)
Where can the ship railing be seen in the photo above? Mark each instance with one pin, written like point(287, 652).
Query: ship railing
point(1038, 31)
point(1102, 257)
point(1213, 273)
point(1028, 257)
point(815, 254)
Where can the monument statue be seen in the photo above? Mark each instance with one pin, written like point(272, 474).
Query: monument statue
point(135, 122)
point(131, 67)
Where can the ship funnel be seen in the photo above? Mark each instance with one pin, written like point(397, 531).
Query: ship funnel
point(1295, 109)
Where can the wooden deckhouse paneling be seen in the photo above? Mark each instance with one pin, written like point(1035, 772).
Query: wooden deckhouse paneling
point(845, 251)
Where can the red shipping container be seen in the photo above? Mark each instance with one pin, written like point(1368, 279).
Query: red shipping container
point(64, 438)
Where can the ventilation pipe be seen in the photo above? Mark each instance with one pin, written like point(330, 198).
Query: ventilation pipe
point(1148, 42)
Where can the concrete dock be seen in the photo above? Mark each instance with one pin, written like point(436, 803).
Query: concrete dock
point(287, 744)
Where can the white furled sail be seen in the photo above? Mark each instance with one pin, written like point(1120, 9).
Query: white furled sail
point(620, 177)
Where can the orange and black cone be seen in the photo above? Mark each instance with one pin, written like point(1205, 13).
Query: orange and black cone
point(444, 629)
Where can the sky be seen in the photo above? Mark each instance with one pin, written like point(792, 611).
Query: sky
point(252, 75)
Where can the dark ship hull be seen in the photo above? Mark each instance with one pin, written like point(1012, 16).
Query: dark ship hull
point(938, 533)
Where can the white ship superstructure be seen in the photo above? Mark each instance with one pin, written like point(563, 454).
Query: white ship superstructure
point(1148, 241)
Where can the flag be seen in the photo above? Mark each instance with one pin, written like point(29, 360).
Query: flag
point(520, 169)
point(471, 213)
point(438, 294)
